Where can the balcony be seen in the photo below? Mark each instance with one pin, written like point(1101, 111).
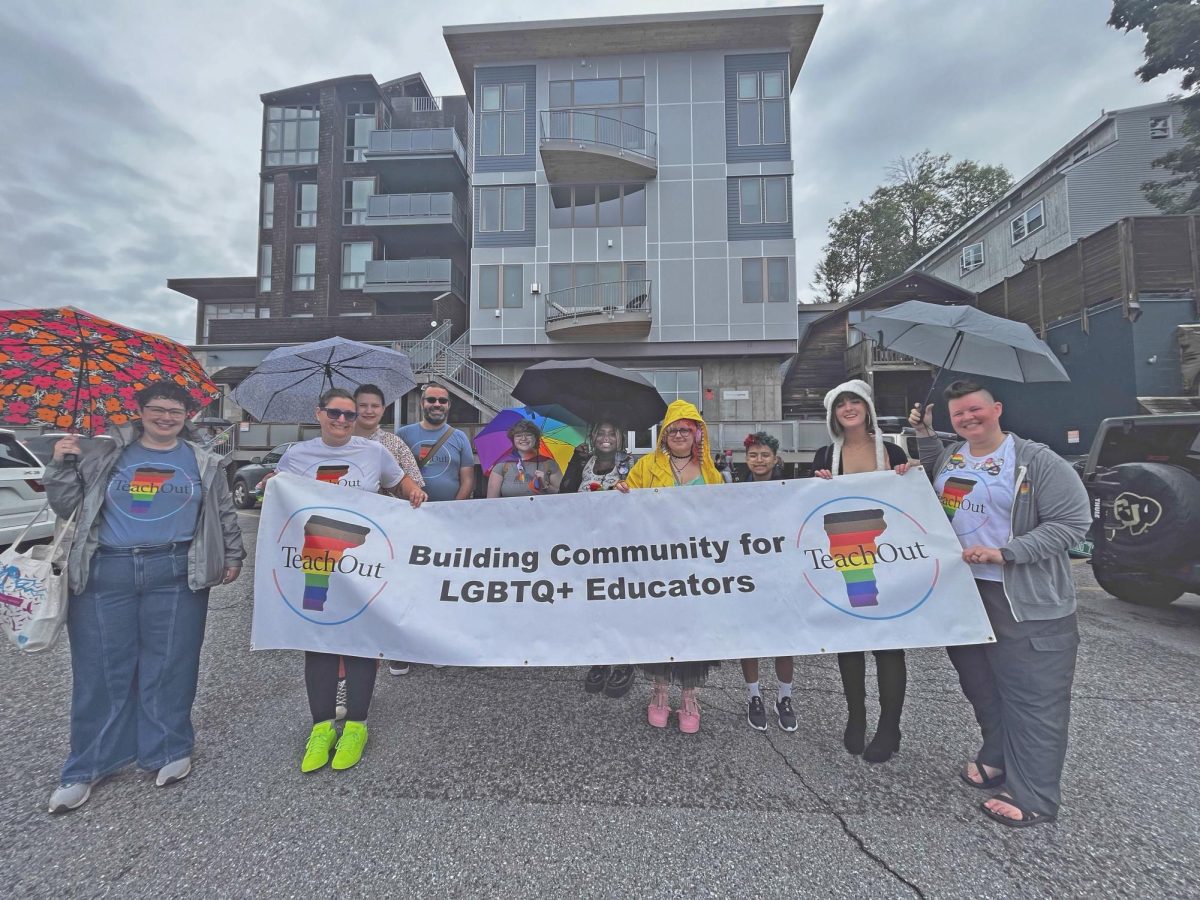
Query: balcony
point(435, 212)
point(865, 357)
point(299, 330)
point(414, 276)
point(583, 146)
point(612, 311)
point(416, 143)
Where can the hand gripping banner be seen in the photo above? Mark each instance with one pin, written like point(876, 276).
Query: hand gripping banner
point(861, 562)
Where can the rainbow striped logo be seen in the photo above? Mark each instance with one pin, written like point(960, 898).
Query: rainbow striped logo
point(852, 537)
point(144, 487)
point(325, 540)
point(332, 474)
point(953, 493)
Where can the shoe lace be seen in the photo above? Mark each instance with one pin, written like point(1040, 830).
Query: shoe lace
point(353, 737)
point(320, 737)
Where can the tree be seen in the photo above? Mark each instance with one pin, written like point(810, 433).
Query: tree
point(1172, 29)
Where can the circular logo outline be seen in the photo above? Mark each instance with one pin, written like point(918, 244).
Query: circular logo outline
point(132, 468)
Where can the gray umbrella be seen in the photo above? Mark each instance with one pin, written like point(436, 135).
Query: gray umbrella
point(286, 384)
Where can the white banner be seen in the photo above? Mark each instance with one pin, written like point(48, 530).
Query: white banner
point(861, 562)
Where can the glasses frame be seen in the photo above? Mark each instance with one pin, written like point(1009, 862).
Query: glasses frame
point(334, 414)
point(164, 411)
point(438, 401)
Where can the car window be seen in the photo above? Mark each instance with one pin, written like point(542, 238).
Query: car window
point(41, 446)
point(14, 456)
point(1177, 444)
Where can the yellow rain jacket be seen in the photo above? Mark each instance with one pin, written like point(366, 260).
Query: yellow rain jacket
point(654, 469)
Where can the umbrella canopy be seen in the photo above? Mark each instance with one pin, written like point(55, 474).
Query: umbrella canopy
point(286, 384)
point(65, 368)
point(963, 339)
point(561, 434)
point(593, 391)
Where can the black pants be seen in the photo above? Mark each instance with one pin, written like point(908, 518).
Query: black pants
point(893, 679)
point(1020, 689)
point(321, 678)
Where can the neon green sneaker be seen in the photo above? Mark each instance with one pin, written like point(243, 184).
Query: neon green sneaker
point(350, 747)
point(319, 746)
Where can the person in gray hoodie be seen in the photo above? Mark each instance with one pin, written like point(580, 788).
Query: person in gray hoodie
point(1016, 507)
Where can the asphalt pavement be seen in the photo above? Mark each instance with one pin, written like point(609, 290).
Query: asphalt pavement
point(514, 783)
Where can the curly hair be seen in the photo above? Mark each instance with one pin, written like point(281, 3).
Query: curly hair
point(761, 439)
point(524, 426)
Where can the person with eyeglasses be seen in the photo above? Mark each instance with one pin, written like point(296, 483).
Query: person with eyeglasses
point(367, 466)
point(155, 529)
point(527, 471)
point(681, 458)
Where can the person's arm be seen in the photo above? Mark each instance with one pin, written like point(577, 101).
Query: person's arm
point(573, 477)
point(235, 550)
point(1063, 510)
point(63, 484)
point(553, 478)
point(466, 470)
point(897, 459)
point(495, 479)
point(929, 446)
point(408, 462)
point(407, 489)
point(820, 463)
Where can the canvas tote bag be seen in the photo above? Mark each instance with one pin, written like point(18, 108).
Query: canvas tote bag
point(33, 589)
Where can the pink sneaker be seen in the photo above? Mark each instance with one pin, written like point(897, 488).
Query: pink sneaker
point(659, 712)
point(689, 712)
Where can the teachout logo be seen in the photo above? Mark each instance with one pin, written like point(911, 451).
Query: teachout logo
point(331, 563)
point(866, 558)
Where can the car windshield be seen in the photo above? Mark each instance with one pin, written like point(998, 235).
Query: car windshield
point(1176, 444)
point(41, 446)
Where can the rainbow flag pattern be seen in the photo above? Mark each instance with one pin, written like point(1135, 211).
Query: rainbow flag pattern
point(855, 532)
point(144, 486)
point(331, 474)
point(953, 492)
point(325, 540)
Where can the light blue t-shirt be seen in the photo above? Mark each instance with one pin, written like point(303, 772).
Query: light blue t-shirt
point(152, 497)
point(440, 472)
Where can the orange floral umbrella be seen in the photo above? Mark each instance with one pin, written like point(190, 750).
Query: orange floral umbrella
point(67, 369)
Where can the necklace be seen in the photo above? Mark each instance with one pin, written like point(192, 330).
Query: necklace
point(679, 470)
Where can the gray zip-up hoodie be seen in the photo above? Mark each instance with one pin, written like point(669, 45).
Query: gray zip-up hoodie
point(1050, 514)
point(218, 540)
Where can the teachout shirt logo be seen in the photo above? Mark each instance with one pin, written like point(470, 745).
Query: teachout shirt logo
point(149, 491)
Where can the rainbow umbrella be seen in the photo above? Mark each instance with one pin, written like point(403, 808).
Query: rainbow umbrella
point(561, 434)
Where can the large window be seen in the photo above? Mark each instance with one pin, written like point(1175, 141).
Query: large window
point(264, 269)
point(355, 192)
point(606, 284)
point(617, 99)
point(971, 258)
point(502, 120)
point(306, 205)
point(354, 263)
point(268, 204)
point(360, 122)
point(501, 209)
point(304, 268)
point(762, 108)
point(763, 201)
point(675, 384)
point(1033, 219)
point(293, 134)
point(765, 279)
point(501, 286)
point(227, 311)
point(593, 205)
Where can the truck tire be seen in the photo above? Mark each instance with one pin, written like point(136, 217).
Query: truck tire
point(1138, 588)
point(242, 497)
point(1155, 515)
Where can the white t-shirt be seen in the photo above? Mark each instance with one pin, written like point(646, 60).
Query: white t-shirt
point(360, 463)
point(977, 495)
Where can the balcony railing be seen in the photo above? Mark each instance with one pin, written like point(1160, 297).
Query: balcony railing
point(610, 298)
point(590, 128)
point(415, 275)
point(408, 208)
point(401, 142)
point(419, 104)
point(865, 356)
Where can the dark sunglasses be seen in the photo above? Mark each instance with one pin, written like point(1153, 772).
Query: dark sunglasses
point(348, 414)
point(440, 401)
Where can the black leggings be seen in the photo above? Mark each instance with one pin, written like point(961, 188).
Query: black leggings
point(321, 678)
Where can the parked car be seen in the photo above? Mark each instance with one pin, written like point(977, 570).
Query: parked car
point(22, 496)
point(1143, 475)
point(246, 479)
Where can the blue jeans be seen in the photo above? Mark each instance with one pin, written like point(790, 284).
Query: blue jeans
point(136, 631)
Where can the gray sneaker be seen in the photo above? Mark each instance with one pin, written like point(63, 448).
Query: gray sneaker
point(787, 716)
point(173, 772)
point(69, 796)
point(756, 715)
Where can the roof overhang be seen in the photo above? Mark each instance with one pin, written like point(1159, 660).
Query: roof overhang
point(786, 28)
point(212, 289)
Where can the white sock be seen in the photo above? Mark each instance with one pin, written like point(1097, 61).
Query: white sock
point(752, 687)
point(785, 689)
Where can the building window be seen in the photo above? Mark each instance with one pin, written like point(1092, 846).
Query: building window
point(268, 204)
point(594, 205)
point(304, 270)
point(354, 263)
point(606, 284)
point(761, 108)
point(767, 276)
point(1160, 128)
point(227, 311)
point(502, 120)
point(763, 201)
point(360, 122)
point(1033, 219)
point(293, 135)
point(675, 384)
point(594, 109)
point(306, 205)
point(264, 269)
point(501, 285)
point(971, 258)
point(501, 209)
point(355, 192)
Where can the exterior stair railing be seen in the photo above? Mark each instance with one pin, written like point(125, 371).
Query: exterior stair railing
point(434, 356)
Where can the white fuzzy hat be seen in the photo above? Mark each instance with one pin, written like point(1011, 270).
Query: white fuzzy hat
point(858, 389)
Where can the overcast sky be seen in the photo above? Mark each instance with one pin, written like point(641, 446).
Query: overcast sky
point(131, 130)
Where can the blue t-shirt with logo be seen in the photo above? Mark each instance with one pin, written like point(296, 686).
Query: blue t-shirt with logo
point(152, 497)
point(440, 472)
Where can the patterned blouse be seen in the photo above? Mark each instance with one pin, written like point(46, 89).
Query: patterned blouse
point(404, 456)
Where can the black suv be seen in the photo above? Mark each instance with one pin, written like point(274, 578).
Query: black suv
point(246, 479)
point(1143, 476)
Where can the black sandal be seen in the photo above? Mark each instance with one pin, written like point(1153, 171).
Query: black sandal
point(1027, 818)
point(989, 781)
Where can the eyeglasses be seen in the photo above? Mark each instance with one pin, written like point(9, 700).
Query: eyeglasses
point(348, 414)
point(678, 432)
point(440, 401)
point(164, 411)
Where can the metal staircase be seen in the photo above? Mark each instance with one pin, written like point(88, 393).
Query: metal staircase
point(434, 356)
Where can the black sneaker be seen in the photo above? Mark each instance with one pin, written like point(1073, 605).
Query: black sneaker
point(620, 680)
point(787, 718)
point(596, 676)
point(397, 667)
point(756, 714)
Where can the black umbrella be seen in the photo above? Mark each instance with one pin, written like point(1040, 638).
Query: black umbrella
point(594, 391)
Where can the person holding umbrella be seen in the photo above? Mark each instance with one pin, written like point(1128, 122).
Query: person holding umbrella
point(526, 471)
point(155, 530)
point(1017, 508)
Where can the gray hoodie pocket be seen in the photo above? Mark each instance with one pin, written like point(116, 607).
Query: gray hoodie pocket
point(1051, 643)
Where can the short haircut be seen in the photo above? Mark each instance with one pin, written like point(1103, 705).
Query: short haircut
point(333, 394)
point(524, 426)
point(166, 390)
point(965, 386)
point(762, 439)
point(373, 389)
point(433, 384)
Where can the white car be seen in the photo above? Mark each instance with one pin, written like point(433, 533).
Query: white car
point(22, 496)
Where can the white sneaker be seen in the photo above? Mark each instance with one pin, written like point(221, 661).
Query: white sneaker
point(339, 712)
point(173, 772)
point(398, 667)
point(69, 796)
